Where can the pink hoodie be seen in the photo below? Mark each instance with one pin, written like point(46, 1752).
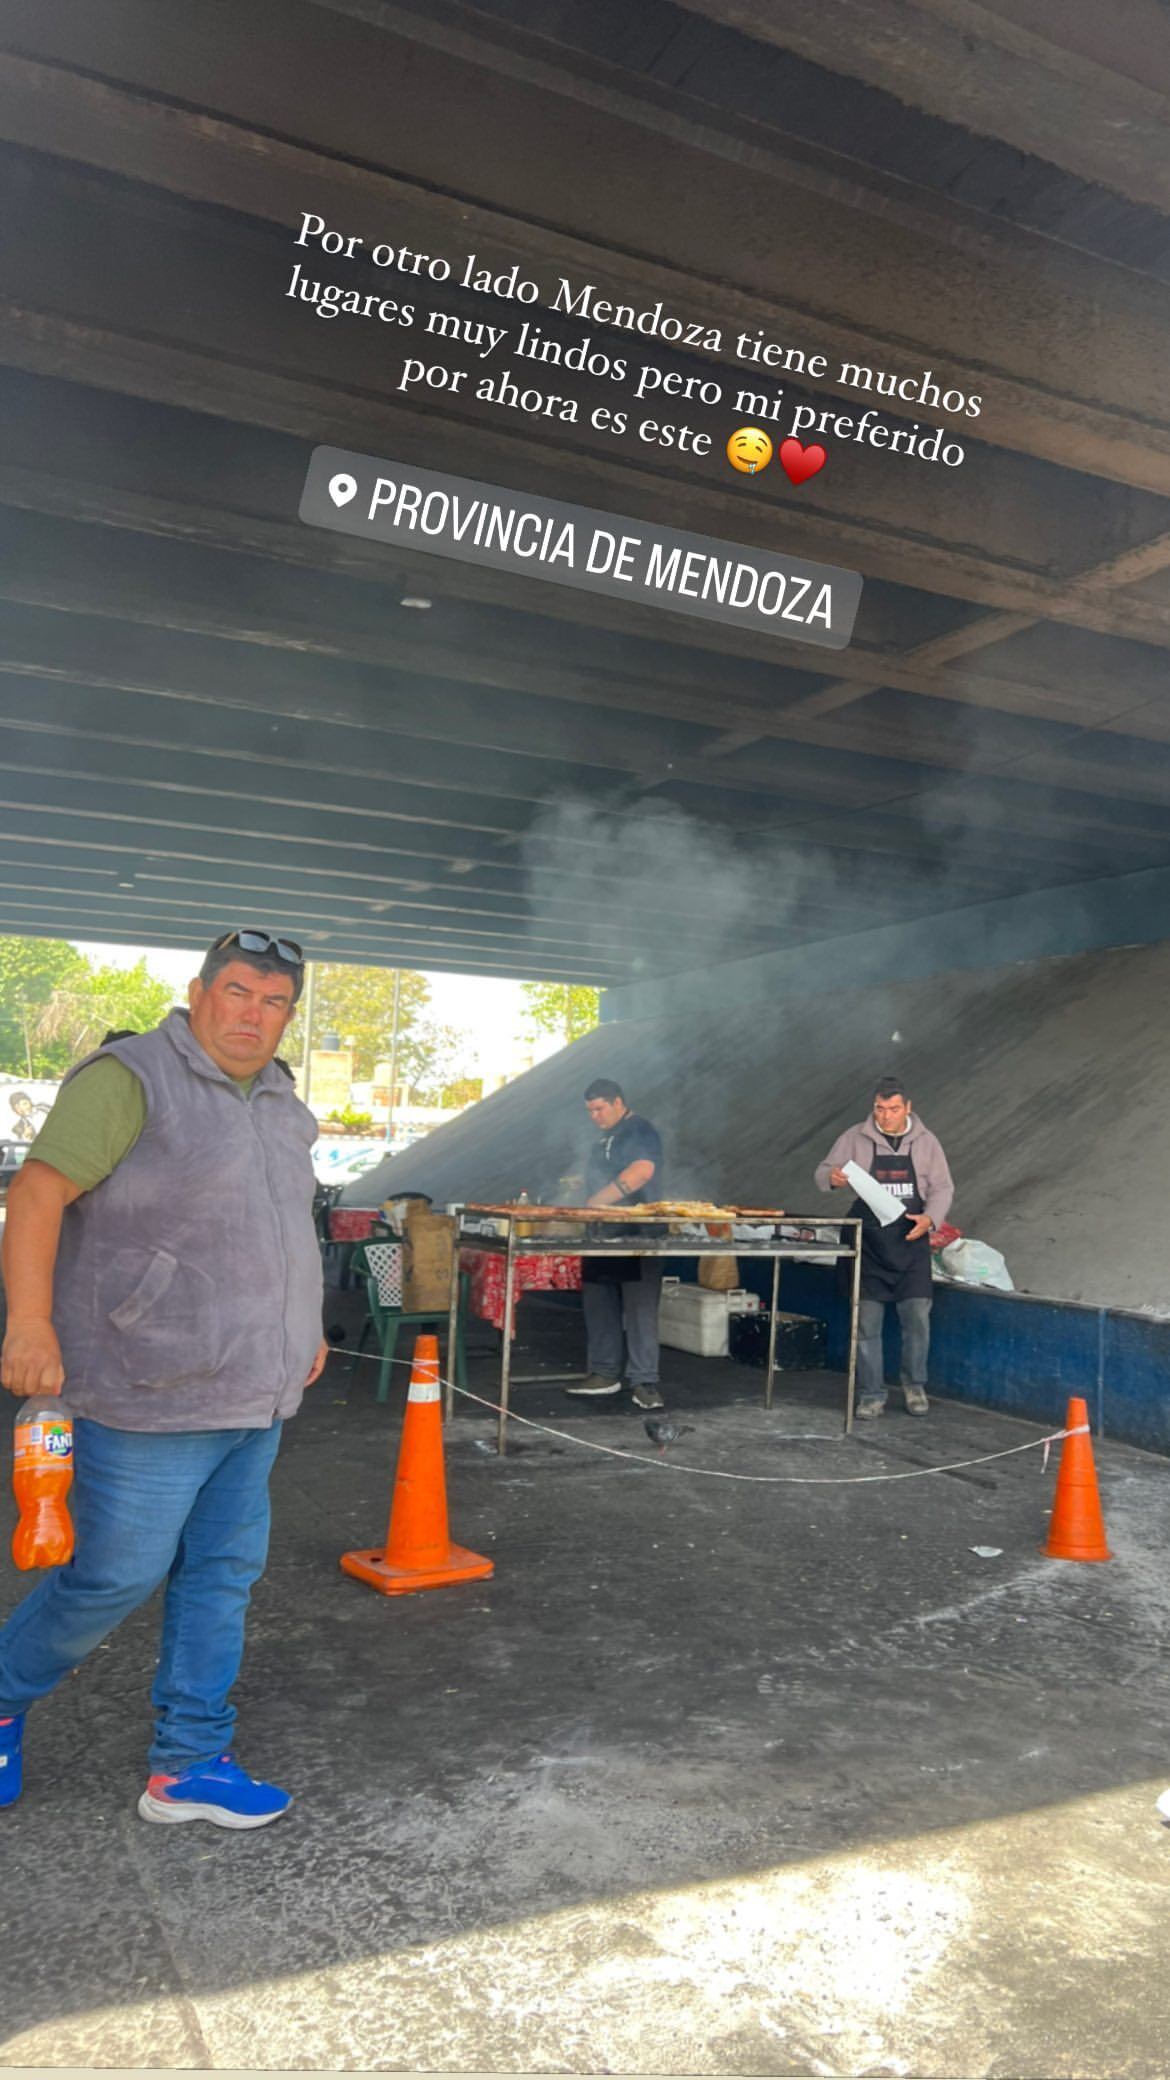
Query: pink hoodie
point(861, 1143)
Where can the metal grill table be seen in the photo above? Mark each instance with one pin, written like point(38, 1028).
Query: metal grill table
point(593, 1241)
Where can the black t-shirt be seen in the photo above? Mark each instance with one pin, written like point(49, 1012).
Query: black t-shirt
point(633, 1140)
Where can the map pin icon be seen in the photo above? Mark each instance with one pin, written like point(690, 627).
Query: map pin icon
point(342, 489)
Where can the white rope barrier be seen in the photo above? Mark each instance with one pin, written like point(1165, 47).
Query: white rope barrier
point(717, 1473)
point(803, 1480)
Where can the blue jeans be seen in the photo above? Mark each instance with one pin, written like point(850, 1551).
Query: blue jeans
point(189, 1508)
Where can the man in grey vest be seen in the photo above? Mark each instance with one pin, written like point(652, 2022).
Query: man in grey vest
point(161, 1266)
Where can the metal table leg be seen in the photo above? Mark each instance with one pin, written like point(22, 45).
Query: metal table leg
point(854, 1313)
point(771, 1374)
point(506, 1357)
point(452, 1331)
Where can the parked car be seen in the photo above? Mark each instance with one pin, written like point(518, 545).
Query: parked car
point(350, 1167)
point(12, 1155)
point(334, 1159)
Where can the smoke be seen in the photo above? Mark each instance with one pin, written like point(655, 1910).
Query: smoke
point(643, 888)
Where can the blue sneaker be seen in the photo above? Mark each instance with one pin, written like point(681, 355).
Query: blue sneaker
point(218, 1791)
point(11, 1773)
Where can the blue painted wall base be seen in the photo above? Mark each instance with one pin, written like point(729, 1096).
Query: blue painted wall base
point(1007, 1351)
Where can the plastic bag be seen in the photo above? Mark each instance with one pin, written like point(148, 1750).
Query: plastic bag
point(719, 1274)
point(977, 1264)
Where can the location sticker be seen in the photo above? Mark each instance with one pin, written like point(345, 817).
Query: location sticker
point(532, 537)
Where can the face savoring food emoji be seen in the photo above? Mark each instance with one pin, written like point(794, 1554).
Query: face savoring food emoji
point(749, 450)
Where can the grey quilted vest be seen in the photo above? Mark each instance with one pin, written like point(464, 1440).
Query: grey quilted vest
point(188, 1287)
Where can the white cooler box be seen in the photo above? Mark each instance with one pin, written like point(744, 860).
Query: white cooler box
point(692, 1319)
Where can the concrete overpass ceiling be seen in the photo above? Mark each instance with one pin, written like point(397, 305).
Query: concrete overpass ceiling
point(210, 712)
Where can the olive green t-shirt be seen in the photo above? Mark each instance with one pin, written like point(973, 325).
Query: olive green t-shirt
point(95, 1122)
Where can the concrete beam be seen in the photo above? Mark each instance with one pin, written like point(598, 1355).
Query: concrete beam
point(354, 629)
point(65, 449)
point(28, 872)
point(948, 571)
point(147, 927)
point(114, 846)
point(88, 571)
point(937, 288)
point(835, 860)
point(991, 539)
point(1085, 89)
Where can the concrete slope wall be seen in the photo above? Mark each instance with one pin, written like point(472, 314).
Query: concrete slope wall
point(1047, 1082)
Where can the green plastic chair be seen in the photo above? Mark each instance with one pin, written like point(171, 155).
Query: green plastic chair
point(387, 1321)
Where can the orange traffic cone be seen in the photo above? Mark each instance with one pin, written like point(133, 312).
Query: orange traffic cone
point(1077, 1528)
point(418, 1553)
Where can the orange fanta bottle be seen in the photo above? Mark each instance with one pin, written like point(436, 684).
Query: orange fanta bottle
point(42, 1475)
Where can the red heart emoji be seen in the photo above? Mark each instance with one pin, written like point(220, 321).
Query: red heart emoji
point(799, 463)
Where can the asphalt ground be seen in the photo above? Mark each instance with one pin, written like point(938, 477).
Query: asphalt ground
point(770, 1776)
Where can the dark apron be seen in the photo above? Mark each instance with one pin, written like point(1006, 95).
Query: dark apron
point(610, 1271)
point(892, 1268)
point(618, 1271)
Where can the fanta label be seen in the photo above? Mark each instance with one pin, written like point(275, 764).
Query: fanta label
point(45, 1440)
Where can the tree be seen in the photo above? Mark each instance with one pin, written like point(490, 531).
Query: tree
point(567, 1008)
point(131, 997)
point(430, 1057)
point(465, 1090)
point(53, 1005)
point(433, 1060)
point(30, 970)
point(89, 1004)
point(358, 1005)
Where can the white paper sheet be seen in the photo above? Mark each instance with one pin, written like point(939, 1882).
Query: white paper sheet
point(887, 1208)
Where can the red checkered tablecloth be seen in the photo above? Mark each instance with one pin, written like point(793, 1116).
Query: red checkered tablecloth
point(352, 1223)
point(542, 1274)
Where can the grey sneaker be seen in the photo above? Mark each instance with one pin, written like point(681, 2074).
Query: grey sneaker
point(865, 1409)
point(595, 1384)
point(916, 1401)
point(645, 1394)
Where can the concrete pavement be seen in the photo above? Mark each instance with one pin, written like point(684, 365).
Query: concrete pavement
point(713, 1776)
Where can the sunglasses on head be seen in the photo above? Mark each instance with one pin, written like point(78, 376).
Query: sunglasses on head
point(263, 942)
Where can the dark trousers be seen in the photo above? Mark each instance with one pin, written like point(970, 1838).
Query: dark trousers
point(631, 1307)
point(914, 1316)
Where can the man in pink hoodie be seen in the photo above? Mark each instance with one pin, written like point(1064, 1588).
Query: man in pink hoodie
point(901, 1154)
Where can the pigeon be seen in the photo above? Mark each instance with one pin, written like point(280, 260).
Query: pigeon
point(661, 1431)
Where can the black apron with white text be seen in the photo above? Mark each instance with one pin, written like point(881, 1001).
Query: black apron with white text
point(892, 1267)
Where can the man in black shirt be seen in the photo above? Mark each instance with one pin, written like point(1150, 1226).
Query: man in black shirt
point(621, 1294)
